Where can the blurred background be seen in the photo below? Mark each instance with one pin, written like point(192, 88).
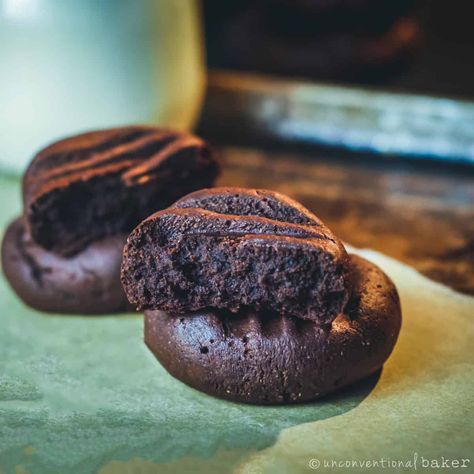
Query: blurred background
point(417, 45)
point(69, 66)
point(361, 109)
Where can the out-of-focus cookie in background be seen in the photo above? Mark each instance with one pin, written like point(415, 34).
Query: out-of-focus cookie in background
point(419, 46)
point(323, 39)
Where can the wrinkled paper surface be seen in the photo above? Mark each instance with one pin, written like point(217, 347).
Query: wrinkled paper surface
point(84, 395)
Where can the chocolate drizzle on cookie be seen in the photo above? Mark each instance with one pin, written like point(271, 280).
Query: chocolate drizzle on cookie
point(108, 181)
point(232, 249)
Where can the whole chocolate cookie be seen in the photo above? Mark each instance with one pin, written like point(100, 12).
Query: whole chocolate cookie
point(316, 17)
point(357, 54)
point(274, 359)
point(87, 283)
point(355, 40)
point(102, 183)
point(250, 251)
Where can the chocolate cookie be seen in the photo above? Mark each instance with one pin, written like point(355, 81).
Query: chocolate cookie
point(103, 183)
point(337, 55)
point(87, 283)
point(82, 196)
point(253, 249)
point(365, 41)
point(273, 359)
point(246, 201)
point(314, 17)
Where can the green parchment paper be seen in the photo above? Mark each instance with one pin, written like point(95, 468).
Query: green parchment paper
point(84, 395)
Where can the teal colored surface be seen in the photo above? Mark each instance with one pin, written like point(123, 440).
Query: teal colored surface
point(79, 392)
point(84, 395)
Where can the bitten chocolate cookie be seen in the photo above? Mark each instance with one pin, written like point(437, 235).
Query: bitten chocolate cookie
point(235, 249)
point(273, 359)
point(250, 297)
point(85, 283)
point(86, 187)
point(82, 196)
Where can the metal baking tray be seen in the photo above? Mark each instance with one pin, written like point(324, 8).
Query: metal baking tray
point(244, 108)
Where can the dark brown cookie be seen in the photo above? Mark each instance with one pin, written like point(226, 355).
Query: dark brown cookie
point(273, 359)
point(87, 283)
point(253, 202)
point(188, 258)
point(316, 17)
point(86, 187)
point(362, 43)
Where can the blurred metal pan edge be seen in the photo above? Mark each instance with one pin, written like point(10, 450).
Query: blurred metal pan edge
point(351, 118)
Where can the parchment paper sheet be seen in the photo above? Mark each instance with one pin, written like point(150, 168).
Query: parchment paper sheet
point(83, 395)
